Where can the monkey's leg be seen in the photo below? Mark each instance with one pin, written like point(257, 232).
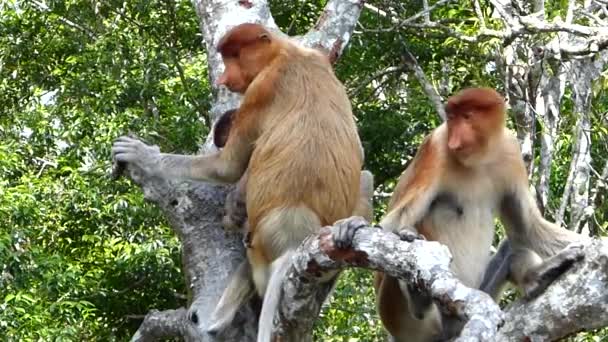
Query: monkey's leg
point(240, 289)
point(365, 206)
point(278, 234)
point(394, 309)
point(420, 303)
point(498, 270)
point(536, 279)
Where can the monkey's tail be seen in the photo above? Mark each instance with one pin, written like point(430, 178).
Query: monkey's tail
point(272, 295)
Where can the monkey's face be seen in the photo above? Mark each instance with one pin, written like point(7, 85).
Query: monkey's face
point(233, 77)
point(475, 116)
point(468, 135)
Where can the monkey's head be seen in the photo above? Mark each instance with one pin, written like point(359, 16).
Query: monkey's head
point(246, 50)
point(474, 117)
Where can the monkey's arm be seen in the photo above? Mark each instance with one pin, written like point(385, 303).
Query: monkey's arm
point(225, 166)
point(540, 251)
point(417, 188)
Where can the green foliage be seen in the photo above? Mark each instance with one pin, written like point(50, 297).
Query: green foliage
point(82, 256)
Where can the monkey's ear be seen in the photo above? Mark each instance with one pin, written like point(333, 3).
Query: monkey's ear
point(222, 128)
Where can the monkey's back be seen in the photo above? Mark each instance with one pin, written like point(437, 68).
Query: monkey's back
point(308, 152)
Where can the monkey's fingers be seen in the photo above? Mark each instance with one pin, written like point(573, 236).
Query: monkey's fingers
point(347, 229)
point(551, 269)
point(127, 157)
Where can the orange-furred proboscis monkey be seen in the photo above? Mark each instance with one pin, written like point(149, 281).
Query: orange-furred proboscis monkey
point(473, 164)
point(295, 134)
point(235, 216)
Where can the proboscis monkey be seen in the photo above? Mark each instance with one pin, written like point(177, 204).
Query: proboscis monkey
point(473, 160)
point(295, 134)
point(235, 211)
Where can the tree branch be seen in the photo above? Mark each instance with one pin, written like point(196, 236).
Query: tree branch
point(576, 301)
point(376, 75)
point(410, 61)
point(423, 263)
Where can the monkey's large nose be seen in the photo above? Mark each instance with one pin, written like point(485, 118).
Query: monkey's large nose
point(454, 143)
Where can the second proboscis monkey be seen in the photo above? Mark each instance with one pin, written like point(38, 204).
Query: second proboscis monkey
point(295, 134)
point(473, 163)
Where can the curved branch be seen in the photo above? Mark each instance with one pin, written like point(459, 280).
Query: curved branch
point(424, 263)
point(576, 301)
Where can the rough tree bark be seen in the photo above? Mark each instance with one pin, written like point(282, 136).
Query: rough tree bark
point(210, 254)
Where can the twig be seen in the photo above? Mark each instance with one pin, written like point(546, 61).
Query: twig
point(373, 77)
point(479, 13)
point(408, 59)
point(46, 8)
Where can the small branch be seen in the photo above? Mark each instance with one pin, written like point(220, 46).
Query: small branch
point(600, 185)
point(425, 12)
point(482, 35)
point(44, 7)
point(404, 23)
point(180, 70)
point(161, 324)
point(295, 18)
point(408, 59)
point(559, 218)
point(421, 262)
point(479, 13)
point(373, 77)
point(540, 26)
point(570, 11)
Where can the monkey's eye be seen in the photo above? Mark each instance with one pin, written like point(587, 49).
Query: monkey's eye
point(466, 115)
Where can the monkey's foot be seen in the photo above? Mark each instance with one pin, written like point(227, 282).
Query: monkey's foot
point(409, 235)
point(346, 231)
point(551, 269)
point(420, 302)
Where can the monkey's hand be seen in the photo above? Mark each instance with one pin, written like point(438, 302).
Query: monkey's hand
point(346, 230)
point(130, 150)
point(410, 234)
point(540, 278)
